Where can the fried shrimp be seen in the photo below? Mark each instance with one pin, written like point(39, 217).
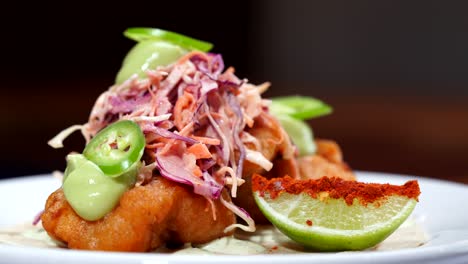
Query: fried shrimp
point(328, 161)
point(146, 218)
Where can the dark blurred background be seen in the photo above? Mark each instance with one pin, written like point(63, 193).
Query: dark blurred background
point(396, 72)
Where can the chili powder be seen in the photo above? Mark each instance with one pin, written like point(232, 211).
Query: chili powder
point(335, 188)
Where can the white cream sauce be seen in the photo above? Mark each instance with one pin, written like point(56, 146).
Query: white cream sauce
point(266, 240)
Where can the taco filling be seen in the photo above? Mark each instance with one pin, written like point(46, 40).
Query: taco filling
point(169, 157)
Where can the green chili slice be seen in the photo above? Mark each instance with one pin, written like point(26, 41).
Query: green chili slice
point(144, 33)
point(116, 148)
point(300, 107)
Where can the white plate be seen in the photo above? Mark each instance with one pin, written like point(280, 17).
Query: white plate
point(441, 210)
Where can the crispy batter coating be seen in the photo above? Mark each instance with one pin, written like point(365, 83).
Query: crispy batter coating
point(267, 131)
point(147, 217)
point(162, 211)
point(328, 161)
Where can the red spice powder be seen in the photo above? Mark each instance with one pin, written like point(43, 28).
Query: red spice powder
point(309, 222)
point(335, 187)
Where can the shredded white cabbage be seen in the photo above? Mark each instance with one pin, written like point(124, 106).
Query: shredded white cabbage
point(250, 227)
point(57, 141)
point(258, 158)
point(246, 137)
point(158, 118)
point(234, 181)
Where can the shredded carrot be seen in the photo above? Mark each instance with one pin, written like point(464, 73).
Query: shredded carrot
point(230, 70)
point(207, 140)
point(216, 115)
point(197, 171)
point(184, 107)
point(189, 55)
point(155, 145)
point(187, 129)
point(213, 207)
point(200, 151)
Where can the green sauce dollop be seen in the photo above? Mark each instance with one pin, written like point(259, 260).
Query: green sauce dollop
point(91, 193)
point(148, 54)
point(73, 161)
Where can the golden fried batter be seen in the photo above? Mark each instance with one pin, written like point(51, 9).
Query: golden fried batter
point(327, 162)
point(272, 141)
point(147, 217)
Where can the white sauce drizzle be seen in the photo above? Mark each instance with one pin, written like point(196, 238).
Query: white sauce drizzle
point(265, 240)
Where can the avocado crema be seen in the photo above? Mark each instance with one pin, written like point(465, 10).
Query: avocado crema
point(148, 54)
point(90, 192)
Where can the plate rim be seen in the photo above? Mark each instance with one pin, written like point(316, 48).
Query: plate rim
point(454, 249)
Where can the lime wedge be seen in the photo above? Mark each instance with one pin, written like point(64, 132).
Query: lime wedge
point(300, 107)
point(332, 224)
point(300, 133)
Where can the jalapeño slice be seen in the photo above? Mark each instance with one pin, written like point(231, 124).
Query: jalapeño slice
point(145, 33)
point(116, 148)
point(300, 107)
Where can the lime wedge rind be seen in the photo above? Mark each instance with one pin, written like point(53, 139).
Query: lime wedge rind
point(327, 239)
